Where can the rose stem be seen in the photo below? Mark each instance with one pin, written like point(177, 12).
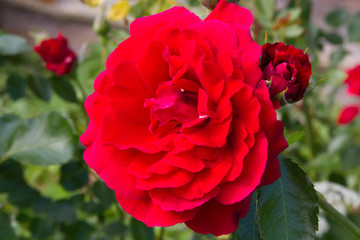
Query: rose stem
point(162, 233)
point(80, 86)
point(121, 218)
point(309, 129)
point(337, 216)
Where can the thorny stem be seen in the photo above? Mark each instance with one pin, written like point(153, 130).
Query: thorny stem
point(337, 216)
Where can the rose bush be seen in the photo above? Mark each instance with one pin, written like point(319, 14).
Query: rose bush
point(181, 125)
point(288, 69)
point(58, 57)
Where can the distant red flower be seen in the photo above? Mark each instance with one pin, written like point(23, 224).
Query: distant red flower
point(348, 114)
point(59, 58)
point(353, 80)
point(287, 68)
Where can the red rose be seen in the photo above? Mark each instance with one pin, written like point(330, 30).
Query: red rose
point(353, 80)
point(181, 125)
point(59, 58)
point(348, 114)
point(287, 68)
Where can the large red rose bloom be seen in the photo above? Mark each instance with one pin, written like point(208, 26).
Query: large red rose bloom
point(181, 126)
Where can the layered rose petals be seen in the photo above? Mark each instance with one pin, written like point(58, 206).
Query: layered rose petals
point(181, 126)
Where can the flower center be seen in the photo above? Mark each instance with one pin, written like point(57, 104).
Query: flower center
point(172, 108)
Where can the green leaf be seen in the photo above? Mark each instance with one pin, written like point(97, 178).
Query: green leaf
point(293, 31)
point(333, 38)
point(337, 56)
point(73, 175)
point(64, 89)
point(265, 9)
point(115, 228)
point(104, 193)
point(6, 231)
point(8, 125)
point(40, 86)
point(353, 28)
point(16, 196)
point(295, 137)
point(78, 231)
point(12, 45)
point(45, 140)
point(11, 176)
point(306, 7)
point(41, 228)
point(16, 86)
point(140, 231)
point(288, 208)
point(248, 228)
point(350, 157)
point(337, 17)
point(62, 212)
point(292, 14)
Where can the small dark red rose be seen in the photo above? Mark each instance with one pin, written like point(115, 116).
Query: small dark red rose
point(59, 58)
point(353, 80)
point(288, 69)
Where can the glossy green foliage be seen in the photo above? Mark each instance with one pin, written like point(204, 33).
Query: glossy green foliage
point(288, 209)
point(46, 140)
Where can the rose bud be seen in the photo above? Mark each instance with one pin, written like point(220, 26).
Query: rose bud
point(181, 125)
point(59, 58)
point(286, 70)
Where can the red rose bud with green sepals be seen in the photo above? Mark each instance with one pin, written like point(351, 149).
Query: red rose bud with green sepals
point(286, 70)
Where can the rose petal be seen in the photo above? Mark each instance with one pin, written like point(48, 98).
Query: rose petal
point(253, 168)
point(348, 114)
point(155, 71)
point(231, 13)
point(207, 179)
point(170, 202)
point(172, 180)
point(146, 27)
point(126, 135)
point(217, 219)
point(151, 214)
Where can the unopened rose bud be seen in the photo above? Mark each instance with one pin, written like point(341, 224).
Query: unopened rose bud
point(286, 70)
